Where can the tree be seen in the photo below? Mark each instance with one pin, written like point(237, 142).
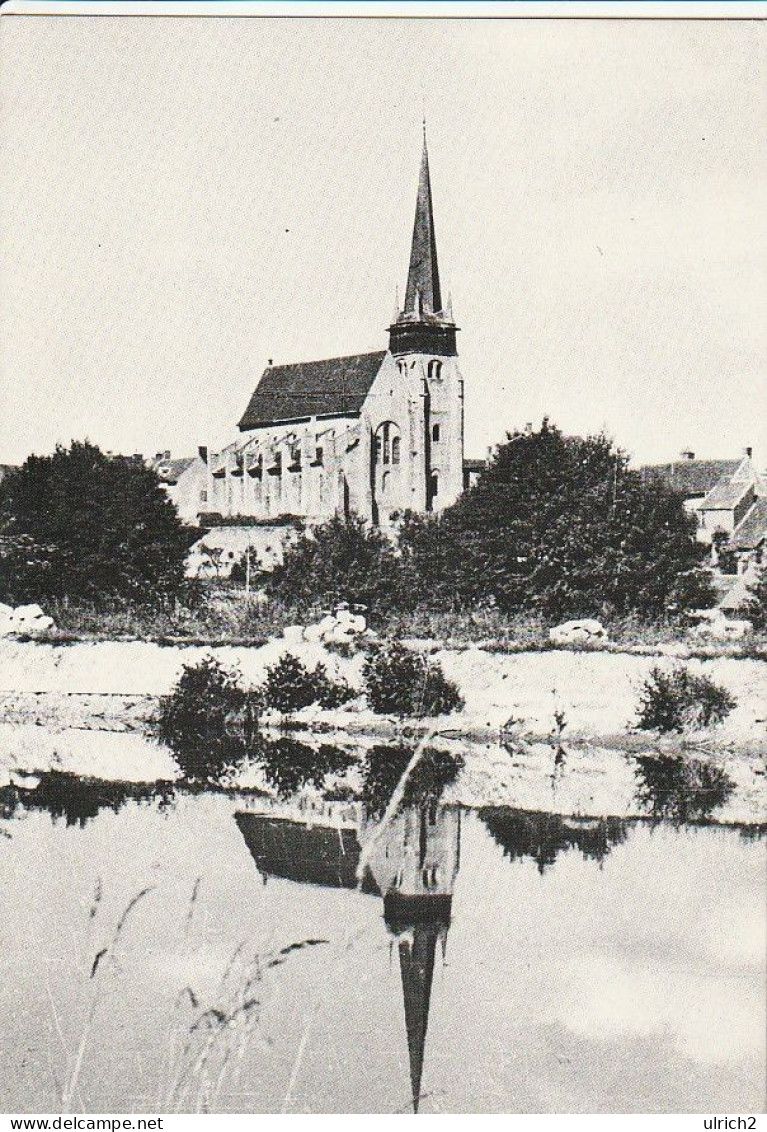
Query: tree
point(342, 560)
point(756, 606)
point(561, 526)
point(82, 524)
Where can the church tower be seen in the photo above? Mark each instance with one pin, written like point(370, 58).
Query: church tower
point(422, 340)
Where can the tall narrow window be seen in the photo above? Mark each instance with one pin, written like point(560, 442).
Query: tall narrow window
point(435, 433)
point(435, 370)
point(395, 450)
point(434, 485)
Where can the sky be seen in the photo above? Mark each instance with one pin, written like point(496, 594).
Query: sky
point(183, 199)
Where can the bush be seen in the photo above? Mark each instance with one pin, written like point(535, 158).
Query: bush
point(342, 560)
point(290, 686)
point(674, 701)
point(399, 681)
point(206, 718)
point(82, 524)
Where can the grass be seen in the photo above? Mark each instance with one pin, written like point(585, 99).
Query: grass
point(226, 616)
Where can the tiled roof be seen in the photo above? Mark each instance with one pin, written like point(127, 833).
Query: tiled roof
point(473, 465)
point(726, 495)
point(691, 477)
point(170, 471)
point(332, 387)
point(752, 530)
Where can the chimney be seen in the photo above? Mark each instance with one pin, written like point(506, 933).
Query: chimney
point(688, 454)
point(748, 452)
point(158, 455)
point(270, 362)
point(202, 452)
point(166, 454)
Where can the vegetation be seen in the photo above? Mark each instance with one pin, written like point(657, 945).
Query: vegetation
point(205, 718)
point(399, 681)
point(681, 699)
point(756, 607)
point(343, 560)
point(85, 525)
point(679, 789)
point(290, 686)
point(557, 526)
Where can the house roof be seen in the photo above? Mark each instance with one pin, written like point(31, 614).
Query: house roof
point(170, 471)
point(726, 494)
point(752, 529)
point(331, 387)
point(473, 465)
point(691, 477)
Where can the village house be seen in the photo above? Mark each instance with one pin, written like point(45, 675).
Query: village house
point(185, 480)
point(729, 499)
point(370, 434)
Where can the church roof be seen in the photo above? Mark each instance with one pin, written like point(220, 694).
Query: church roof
point(322, 855)
point(331, 387)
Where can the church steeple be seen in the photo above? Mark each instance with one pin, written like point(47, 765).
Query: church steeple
point(422, 326)
point(423, 273)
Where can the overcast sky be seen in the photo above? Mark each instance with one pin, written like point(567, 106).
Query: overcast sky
point(182, 199)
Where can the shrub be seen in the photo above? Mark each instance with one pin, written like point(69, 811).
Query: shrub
point(342, 560)
point(399, 681)
point(205, 718)
point(290, 686)
point(83, 524)
point(673, 701)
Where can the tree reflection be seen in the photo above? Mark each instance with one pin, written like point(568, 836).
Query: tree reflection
point(384, 766)
point(542, 837)
point(680, 789)
point(77, 801)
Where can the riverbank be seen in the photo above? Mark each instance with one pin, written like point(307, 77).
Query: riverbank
point(587, 696)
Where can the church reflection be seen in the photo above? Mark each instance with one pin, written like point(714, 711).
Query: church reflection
point(409, 860)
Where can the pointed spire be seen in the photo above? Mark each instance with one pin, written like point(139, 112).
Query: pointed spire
point(423, 274)
point(416, 961)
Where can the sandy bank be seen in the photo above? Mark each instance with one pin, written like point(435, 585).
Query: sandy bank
point(115, 686)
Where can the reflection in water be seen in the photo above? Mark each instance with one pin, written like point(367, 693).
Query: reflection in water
point(384, 766)
point(290, 765)
point(78, 801)
point(680, 789)
point(412, 863)
point(544, 836)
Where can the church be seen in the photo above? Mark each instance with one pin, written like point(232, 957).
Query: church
point(370, 435)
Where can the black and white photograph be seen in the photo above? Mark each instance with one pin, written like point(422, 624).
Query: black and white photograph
point(383, 561)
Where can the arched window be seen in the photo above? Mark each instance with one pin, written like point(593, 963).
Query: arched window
point(435, 433)
point(386, 444)
point(402, 366)
point(435, 370)
point(434, 484)
point(385, 482)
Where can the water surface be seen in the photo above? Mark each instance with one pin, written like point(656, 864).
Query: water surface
point(238, 953)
